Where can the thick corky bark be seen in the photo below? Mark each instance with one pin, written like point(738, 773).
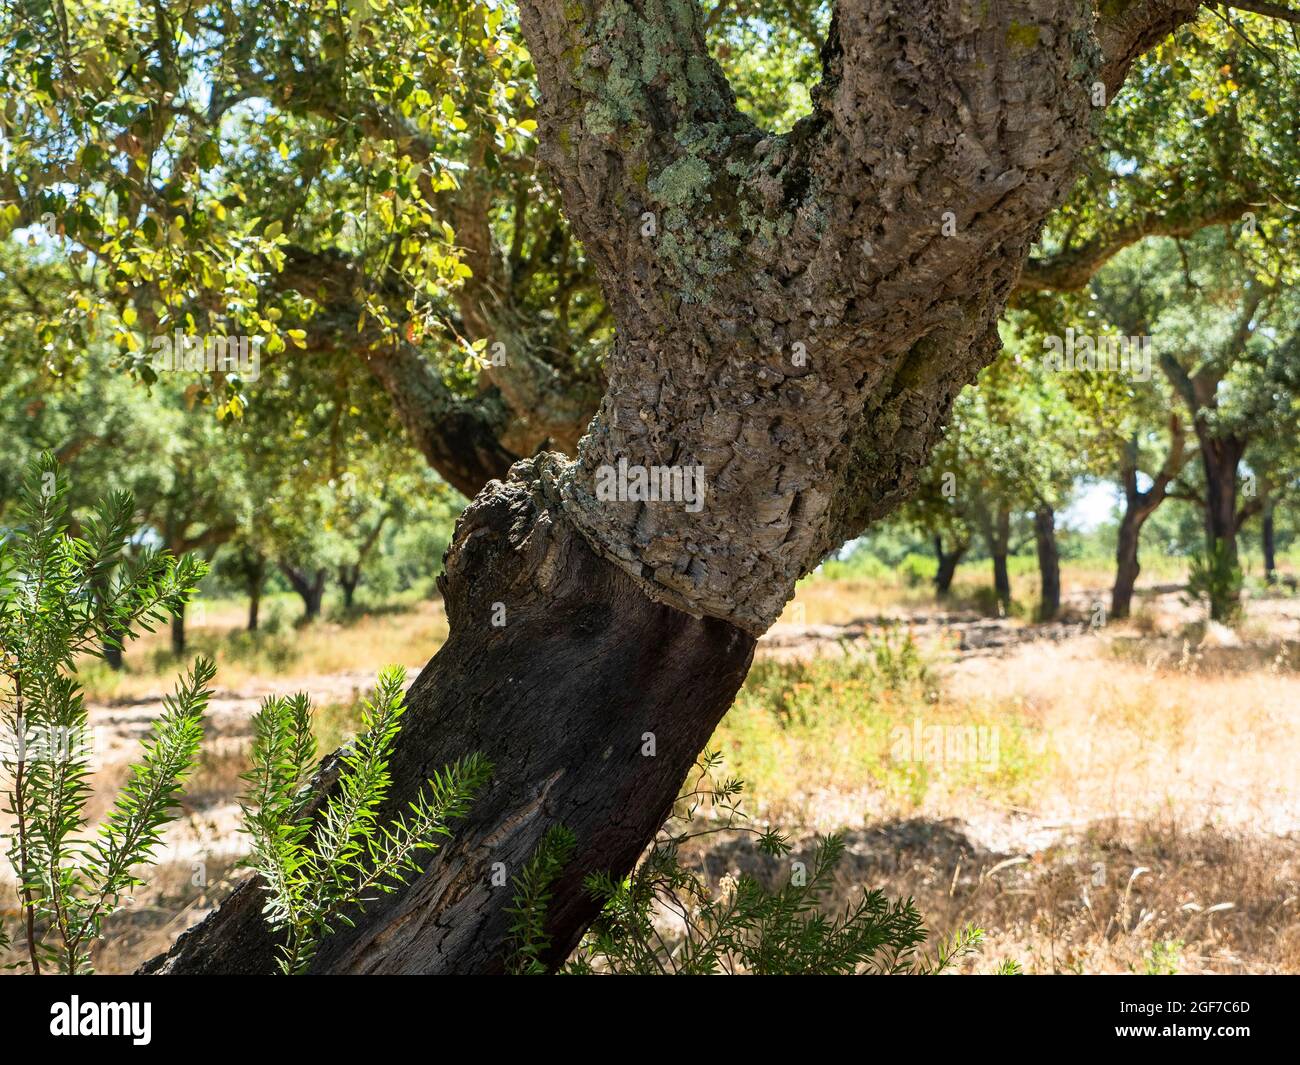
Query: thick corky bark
point(720, 248)
point(832, 237)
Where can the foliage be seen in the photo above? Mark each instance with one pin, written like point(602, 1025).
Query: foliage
point(1165, 957)
point(62, 596)
point(532, 895)
point(319, 861)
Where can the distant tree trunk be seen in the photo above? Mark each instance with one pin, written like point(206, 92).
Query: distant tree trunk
point(113, 656)
point(310, 586)
point(1220, 458)
point(1127, 566)
point(1002, 581)
point(1138, 507)
point(1270, 551)
point(1049, 564)
point(178, 632)
point(256, 581)
point(805, 365)
point(948, 563)
point(349, 577)
point(111, 652)
point(997, 535)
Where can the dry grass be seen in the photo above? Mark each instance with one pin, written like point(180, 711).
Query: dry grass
point(406, 634)
point(1149, 820)
point(1121, 897)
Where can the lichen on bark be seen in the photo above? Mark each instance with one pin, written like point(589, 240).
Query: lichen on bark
point(879, 239)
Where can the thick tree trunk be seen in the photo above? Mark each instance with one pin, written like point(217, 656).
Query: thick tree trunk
point(1269, 544)
point(1049, 564)
point(254, 603)
point(948, 563)
point(564, 700)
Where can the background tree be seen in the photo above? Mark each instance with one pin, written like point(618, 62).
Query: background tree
point(1222, 330)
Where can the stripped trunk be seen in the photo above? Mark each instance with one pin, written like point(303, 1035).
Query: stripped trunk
point(563, 700)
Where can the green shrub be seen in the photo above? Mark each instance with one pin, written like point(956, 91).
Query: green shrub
point(318, 865)
point(62, 596)
point(741, 927)
point(1215, 579)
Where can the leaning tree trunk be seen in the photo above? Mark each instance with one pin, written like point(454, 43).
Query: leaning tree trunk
point(948, 563)
point(1127, 566)
point(795, 314)
point(1049, 564)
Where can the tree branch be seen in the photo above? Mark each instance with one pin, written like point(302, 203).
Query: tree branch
point(1071, 269)
point(1262, 7)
